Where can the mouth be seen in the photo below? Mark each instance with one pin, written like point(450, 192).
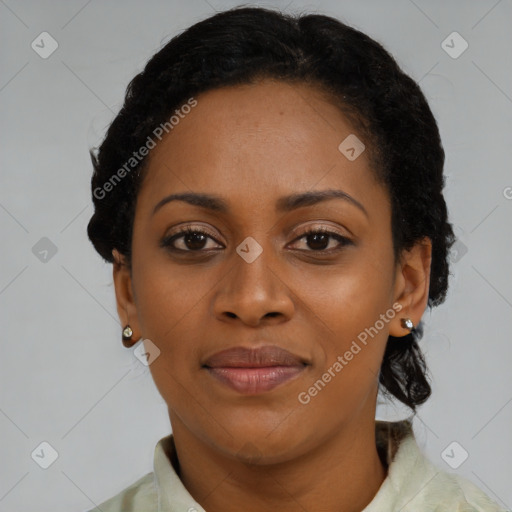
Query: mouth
point(254, 371)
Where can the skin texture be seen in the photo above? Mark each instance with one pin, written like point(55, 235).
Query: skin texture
point(251, 145)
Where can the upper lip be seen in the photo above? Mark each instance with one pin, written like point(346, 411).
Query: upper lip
point(261, 357)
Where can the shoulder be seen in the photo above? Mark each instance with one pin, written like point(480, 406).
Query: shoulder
point(415, 484)
point(141, 495)
point(447, 492)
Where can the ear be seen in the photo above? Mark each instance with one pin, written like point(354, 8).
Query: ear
point(412, 285)
point(125, 298)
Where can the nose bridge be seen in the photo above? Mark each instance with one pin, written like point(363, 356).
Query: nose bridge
point(252, 269)
point(252, 288)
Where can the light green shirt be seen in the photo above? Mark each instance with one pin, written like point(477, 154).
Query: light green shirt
point(413, 483)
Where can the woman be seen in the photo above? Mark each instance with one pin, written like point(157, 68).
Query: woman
point(270, 197)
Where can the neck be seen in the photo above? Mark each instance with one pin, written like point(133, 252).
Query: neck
point(342, 474)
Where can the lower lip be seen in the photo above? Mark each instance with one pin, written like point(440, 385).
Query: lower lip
point(253, 381)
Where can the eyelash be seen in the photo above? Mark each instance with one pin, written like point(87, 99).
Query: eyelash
point(168, 241)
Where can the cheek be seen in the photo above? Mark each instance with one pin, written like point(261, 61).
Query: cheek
point(345, 305)
point(350, 297)
point(167, 294)
point(172, 310)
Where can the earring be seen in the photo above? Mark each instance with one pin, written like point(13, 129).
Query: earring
point(407, 323)
point(127, 337)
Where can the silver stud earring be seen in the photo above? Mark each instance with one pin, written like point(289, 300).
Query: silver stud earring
point(407, 323)
point(127, 336)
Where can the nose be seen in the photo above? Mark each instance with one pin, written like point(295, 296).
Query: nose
point(254, 293)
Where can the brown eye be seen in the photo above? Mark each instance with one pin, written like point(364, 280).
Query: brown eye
point(194, 241)
point(318, 240)
point(191, 240)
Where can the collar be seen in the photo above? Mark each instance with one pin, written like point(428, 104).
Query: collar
point(396, 446)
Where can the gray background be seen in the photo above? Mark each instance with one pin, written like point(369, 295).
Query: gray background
point(65, 377)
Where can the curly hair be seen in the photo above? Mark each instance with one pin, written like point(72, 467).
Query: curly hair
point(242, 45)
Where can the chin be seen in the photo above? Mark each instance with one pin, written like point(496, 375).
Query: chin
point(257, 447)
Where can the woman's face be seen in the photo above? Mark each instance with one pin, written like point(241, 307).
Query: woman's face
point(255, 280)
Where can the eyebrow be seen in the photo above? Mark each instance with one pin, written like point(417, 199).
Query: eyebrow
point(283, 204)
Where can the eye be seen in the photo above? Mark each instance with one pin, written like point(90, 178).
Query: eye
point(318, 240)
point(195, 239)
point(191, 239)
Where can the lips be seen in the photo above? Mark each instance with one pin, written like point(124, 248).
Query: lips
point(256, 370)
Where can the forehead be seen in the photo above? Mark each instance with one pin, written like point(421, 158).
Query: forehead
point(252, 142)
